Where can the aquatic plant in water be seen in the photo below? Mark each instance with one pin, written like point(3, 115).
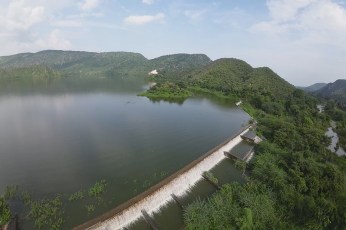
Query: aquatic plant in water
point(5, 213)
point(11, 192)
point(47, 213)
point(76, 196)
point(90, 208)
point(98, 188)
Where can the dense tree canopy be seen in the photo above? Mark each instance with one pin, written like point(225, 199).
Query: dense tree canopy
point(295, 181)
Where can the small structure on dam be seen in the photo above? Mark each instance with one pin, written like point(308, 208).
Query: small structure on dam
point(241, 151)
point(251, 137)
point(245, 149)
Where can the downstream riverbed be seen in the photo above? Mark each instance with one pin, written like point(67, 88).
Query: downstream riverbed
point(335, 139)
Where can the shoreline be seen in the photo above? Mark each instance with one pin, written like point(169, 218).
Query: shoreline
point(157, 196)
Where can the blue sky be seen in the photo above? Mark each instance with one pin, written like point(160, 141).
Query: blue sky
point(304, 41)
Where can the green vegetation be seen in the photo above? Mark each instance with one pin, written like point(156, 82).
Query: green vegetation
point(11, 192)
point(314, 87)
point(295, 181)
point(46, 66)
point(211, 177)
point(241, 165)
point(90, 208)
point(339, 116)
point(5, 213)
point(76, 196)
point(98, 188)
point(231, 79)
point(235, 207)
point(167, 90)
point(47, 213)
point(335, 91)
point(171, 65)
point(36, 75)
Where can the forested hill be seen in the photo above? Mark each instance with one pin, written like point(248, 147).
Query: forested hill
point(228, 77)
point(314, 87)
point(178, 62)
point(335, 91)
point(235, 76)
point(72, 63)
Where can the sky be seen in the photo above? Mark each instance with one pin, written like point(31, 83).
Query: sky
point(304, 41)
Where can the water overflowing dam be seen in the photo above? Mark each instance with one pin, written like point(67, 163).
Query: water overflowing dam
point(156, 197)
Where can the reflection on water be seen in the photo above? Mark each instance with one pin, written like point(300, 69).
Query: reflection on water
point(61, 141)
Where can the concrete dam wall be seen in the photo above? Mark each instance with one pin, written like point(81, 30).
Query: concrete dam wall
point(156, 197)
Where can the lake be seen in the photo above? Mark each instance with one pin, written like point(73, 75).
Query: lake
point(64, 141)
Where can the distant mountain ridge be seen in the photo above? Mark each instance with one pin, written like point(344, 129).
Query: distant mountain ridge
point(75, 62)
point(314, 87)
point(225, 75)
point(335, 90)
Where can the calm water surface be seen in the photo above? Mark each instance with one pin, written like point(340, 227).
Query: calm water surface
point(65, 142)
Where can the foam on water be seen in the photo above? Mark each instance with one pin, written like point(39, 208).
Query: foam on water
point(178, 186)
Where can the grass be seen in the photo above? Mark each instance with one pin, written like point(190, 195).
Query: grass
point(90, 208)
point(248, 109)
point(211, 177)
point(47, 213)
point(11, 192)
point(5, 213)
point(98, 188)
point(76, 196)
point(168, 91)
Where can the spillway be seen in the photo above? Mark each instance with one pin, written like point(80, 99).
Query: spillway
point(159, 195)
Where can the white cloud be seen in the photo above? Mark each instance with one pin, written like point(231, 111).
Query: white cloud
point(144, 19)
point(32, 42)
point(88, 5)
point(67, 23)
point(148, 2)
point(304, 40)
point(20, 16)
point(25, 25)
point(310, 21)
point(55, 40)
point(194, 14)
point(286, 10)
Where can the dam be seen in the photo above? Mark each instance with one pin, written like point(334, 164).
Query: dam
point(170, 189)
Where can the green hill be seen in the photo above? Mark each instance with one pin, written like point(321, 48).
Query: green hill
point(222, 75)
point(236, 77)
point(56, 59)
point(335, 91)
point(176, 63)
point(228, 78)
point(32, 73)
point(314, 87)
point(108, 64)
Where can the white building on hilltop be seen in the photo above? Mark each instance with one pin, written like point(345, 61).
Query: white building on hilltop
point(153, 72)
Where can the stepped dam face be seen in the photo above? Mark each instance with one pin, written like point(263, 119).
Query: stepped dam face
point(156, 197)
